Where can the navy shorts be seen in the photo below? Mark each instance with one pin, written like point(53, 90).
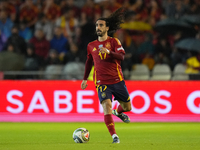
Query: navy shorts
point(118, 90)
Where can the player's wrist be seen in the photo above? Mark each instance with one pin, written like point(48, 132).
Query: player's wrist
point(108, 52)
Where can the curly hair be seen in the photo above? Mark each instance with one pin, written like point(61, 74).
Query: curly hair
point(114, 20)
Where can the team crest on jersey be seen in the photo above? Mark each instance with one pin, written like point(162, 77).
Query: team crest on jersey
point(107, 45)
point(103, 94)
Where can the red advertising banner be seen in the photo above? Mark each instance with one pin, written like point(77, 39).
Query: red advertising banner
point(66, 101)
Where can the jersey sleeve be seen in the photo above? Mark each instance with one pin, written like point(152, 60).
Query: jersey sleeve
point(88, 64)
point(118, 46)
point(88, 50)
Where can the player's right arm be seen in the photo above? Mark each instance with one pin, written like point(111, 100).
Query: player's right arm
point(88, 67)
point(84, 84)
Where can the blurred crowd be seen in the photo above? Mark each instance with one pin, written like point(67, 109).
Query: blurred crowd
point(49, 32)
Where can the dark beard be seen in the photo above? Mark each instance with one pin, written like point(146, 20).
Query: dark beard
point(101, 34)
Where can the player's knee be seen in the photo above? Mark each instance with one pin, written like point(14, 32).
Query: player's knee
point(107, 107)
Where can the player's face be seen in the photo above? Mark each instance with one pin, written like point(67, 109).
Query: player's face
point(101, 28)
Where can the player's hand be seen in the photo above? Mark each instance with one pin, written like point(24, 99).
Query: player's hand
point(84, 84)
point(104, 50)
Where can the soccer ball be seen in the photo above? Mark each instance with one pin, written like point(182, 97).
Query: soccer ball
point(81, 135)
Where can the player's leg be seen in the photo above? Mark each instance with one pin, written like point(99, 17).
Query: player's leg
point(123, 107)
point(122, 95)
point(105, 96)
point(107, 108)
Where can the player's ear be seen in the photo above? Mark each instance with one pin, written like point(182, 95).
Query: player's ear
point(107, 28)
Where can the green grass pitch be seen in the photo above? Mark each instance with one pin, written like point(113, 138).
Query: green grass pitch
point(133, 136)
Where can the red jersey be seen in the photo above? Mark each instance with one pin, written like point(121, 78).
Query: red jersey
point(107, 70)
point(28, 14)
point(53, 12)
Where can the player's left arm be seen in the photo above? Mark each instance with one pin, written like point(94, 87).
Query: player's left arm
point(118, 52)
point(115, 55)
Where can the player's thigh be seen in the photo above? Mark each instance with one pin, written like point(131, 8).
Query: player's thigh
point(104, 92)
point(105, 98)
point(122, 95)
point(120, 92)
point(107, 106)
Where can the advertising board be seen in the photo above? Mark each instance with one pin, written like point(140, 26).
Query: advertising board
point(66, 101)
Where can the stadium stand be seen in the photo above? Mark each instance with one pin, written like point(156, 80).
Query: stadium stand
point(161, 72)
point(179, 72)
point(73, 70)
point(140, 72)
point(53, 72)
